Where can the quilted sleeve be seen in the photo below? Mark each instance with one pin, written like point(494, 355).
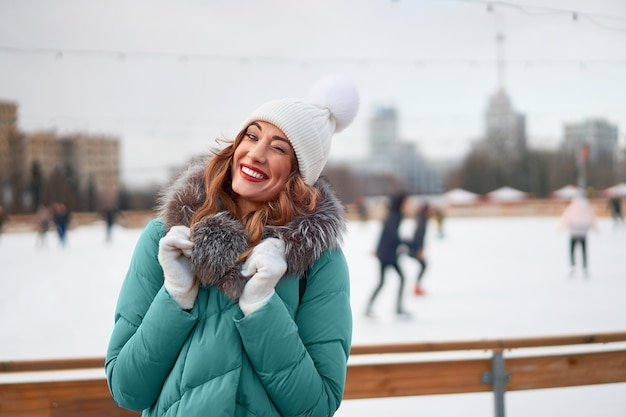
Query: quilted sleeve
point(302, 364)
point(150, 328)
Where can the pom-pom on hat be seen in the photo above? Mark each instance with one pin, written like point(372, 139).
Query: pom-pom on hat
point(310, 125)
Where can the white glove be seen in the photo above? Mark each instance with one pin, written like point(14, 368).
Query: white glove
point(267, 265)
point(174, 257)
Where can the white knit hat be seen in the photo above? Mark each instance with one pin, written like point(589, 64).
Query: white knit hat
point(309, 126)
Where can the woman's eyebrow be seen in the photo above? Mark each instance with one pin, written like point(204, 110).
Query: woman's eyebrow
point(275, 137)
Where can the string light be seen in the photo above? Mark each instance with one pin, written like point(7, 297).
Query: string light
point(594, 18)
point(124, 56)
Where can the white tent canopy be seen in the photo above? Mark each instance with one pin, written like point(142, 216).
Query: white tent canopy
point(506, 194)
point(460, 196)
point(567, 192)
point(618, 190)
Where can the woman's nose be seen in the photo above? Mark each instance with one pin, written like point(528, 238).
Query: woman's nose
point(257, 152)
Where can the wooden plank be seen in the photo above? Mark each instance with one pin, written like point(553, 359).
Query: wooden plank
point(33, 408)
point(79, 407)
point(51, 365)
point(489, 344)
point(416, 378)
point(566, 370)
point(59, 398)
point(464, 376)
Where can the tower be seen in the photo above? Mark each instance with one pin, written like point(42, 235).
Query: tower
point(505, 129)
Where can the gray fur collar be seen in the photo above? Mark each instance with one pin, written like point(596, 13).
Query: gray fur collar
point(220, 239)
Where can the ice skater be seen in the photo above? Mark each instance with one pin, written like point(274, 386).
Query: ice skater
point(43, 218)
point(61, 216)
point(578, 218)
point(109, 214)
point(3, 218)
point(416, 246)
point(615, 206)
point(387, 252)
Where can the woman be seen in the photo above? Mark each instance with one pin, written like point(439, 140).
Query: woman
point(213, 318)
point(578, 218)
point(387, 252)
point(416, 246)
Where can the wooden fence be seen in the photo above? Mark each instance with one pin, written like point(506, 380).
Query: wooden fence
point(406, 374)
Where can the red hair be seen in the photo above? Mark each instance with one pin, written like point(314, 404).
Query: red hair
point(296, 198)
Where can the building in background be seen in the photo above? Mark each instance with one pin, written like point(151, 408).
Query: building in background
point(96, 160)
point(81, 169)
point(619, 161)
point(394, 161)
point(41, 149)
point(598, 135)
point(505, 129)
point(8, 126)
point(10, 152)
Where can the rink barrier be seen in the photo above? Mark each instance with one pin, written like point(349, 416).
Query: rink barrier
point(387, 370)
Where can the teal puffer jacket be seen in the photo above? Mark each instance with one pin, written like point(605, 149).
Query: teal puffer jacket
point(289, 358)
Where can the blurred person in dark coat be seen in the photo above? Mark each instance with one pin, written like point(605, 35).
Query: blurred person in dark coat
point(61, 216)
point(416, 246)
point(615, 206)
point(387, 251)
point(109, 214)
point(3, 218)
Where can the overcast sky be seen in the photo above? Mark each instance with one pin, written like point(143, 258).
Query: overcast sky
point(168, 76)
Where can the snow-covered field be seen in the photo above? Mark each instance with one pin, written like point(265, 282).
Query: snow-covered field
point(487, 278)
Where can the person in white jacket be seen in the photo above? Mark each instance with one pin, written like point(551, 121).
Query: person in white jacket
point(578, 218)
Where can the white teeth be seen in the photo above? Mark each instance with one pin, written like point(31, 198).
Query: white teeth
point(252, 173)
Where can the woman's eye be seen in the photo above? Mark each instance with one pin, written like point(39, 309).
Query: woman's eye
point(251, 136)
point(280, 149)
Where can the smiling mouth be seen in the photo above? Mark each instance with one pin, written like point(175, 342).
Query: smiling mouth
point(252, 173)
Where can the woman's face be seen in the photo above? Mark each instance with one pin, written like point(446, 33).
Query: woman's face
point(261, 165)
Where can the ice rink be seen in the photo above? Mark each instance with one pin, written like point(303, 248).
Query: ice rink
point(487, 278)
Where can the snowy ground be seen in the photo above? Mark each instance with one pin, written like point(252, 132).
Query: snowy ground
point(487, 278)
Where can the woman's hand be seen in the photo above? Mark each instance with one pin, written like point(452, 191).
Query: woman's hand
point(267, 265)
point(174, 257)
